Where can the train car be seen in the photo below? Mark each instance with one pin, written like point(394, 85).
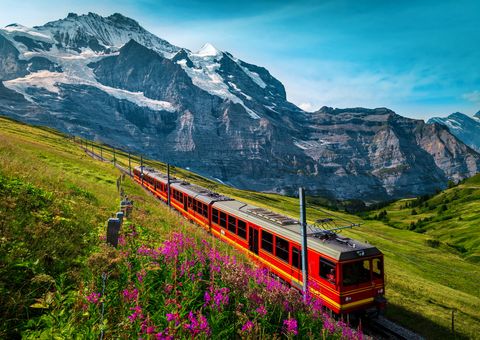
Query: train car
point(347, 275)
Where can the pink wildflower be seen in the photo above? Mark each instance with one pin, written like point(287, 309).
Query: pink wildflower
point(247, 327)
point(93, 298)
point(173, 317)
point(262, 311)
point(140, 275)
point(130, 296)
point(328, 324)
point(137, 314)
point(290, 326)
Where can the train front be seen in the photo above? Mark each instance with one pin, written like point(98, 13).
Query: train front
point(361, 279)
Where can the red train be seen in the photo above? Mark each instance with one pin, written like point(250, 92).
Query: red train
point(348, 275)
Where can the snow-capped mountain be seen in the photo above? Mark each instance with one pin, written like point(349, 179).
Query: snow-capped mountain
point(109, 79)
point(464, 127)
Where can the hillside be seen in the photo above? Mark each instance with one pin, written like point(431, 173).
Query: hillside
point(55, 202)
point(421, 292)
point(450, 218)
point(109, 79)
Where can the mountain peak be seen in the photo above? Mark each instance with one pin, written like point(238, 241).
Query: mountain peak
point(477, 115)
point(123, 20)
point(100, 33)
point(208, 50)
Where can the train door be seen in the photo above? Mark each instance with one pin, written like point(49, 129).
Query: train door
point(253, 240)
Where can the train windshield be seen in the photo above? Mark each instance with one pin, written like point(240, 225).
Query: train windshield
point(356, 273)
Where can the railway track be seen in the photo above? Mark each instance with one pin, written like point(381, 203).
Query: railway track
point(382, 328)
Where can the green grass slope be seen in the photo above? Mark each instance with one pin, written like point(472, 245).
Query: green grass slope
point(450, 218)
point(424, 283)
point(54, 201)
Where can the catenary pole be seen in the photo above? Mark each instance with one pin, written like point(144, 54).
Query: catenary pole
point(141, 167)
point(303, 223)
point(168, 184)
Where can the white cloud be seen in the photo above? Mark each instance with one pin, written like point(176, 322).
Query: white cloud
point(307, 107)
point(473, 97)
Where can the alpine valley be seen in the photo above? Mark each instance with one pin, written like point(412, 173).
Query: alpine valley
point(108, 79)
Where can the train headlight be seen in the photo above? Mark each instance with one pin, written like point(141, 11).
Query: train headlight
point(380, 291)
point(348, 298)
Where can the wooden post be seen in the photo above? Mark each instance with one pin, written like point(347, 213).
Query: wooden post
point(303, 223)
point(101, 152)
point(113, 228)
point(120, 216)
point(129, 165)
point(114, 159)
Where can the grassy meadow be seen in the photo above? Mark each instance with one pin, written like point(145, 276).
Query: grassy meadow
point(450, 218)
point(425, 280)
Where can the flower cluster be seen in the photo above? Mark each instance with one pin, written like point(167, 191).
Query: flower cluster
point(290, 326)
point(130, 295)
point(193, 290)
point(197, 324)
point(93, 298)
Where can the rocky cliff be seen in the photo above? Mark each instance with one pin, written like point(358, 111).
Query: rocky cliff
point(106, 78)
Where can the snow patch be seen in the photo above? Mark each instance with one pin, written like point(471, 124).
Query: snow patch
point(311, 144)
point(208, 50)
point(182, 62)
point(17, 29)
point(255, 77)
point(50, 81)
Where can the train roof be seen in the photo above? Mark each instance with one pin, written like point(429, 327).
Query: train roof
point(161, 177)
point(330, 244)
point(200, 193)
point(334, 246)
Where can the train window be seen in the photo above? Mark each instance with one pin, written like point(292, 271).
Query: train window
point(223, 219)
point(232, 224)
point(377, 268)
point(267, 241)
point(355, 273)
point(296, 258)
point(178, 196)
point(327, 270)
point(205, 211)
point(215, 216)
point(242, 229)
point(281, 249)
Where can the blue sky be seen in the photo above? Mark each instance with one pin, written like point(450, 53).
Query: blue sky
point(419, 58)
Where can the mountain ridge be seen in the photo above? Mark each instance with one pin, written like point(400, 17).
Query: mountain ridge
point(109, 79)
point(464, 127)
